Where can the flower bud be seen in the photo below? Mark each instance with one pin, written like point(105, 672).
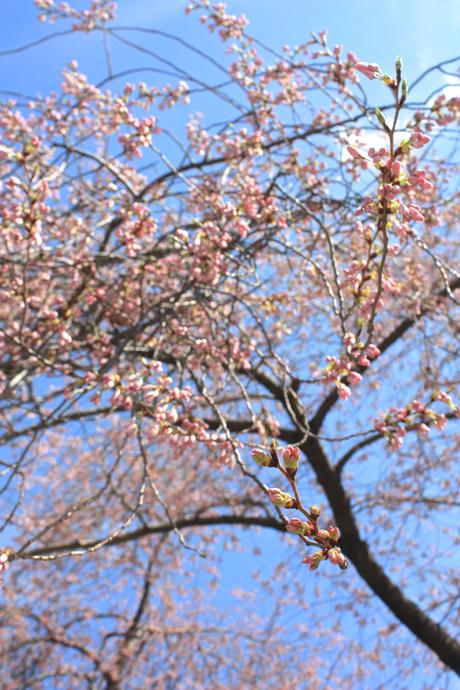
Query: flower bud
point(396, 168)
point(334, 533)
point(262, 458)
point(372, 351)
point(291, 456)
point(310, 528)
point(323, 534)
point(419, 139)
point(381, 118)
point(404, 88)
point(337, 558)
point(315, 559)
point(296, 526)
point(281, 498)
point(315, 511)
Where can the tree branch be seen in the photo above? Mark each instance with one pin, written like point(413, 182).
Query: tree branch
point(397, 333)
point(213, 520)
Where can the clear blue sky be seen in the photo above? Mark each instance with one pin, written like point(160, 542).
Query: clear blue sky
point(421, 31)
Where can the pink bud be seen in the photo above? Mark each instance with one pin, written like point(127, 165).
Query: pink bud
point(334, 533)
point(354, 378)
point(296, 526)
point(315, 511)
point(369, 69)
point(372, 351)
point(354, 153)
point(418, 139)
point(281, 498)
point(315, 559)
point(323, 534)
point(343, 391)
point(440, 422)
point(423, 430)
point(396, 168)
point(291, 457)
point(337, 558)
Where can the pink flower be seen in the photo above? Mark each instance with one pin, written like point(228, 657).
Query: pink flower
point(418, 139)
point(369, 69)
point(315, 559)
point(296, 526)
point(423, 430)
point(350, 339)
point(280, 498)
point(323, 534)
point(343, 391)
point(354, 153)
point(337, 558)
point(334, 533)
point(396, 168)
point(440, 422)
point(291, 457)
point(372, 351)
point(395, 442)
point(315, 511)
point(415, 213)
point(418, 406)
point(354, 378)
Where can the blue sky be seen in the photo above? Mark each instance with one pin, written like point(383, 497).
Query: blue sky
point(421, 31)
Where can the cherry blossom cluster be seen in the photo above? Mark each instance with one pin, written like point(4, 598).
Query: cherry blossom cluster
point(443, 112)
point(392, 213)
point(341, 371)
point(100, 12)
point(416, 416)
point(216, 17)
point(308, 528)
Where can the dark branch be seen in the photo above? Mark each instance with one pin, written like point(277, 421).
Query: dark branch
point(149, 530)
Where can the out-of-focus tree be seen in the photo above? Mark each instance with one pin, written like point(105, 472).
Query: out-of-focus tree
point(272, 285)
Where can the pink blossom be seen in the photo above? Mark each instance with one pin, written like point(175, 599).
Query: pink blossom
point(440, 422)
point(315, 511)
point(354, 153)
point(323, 534)
point(418, 406)
point(418, 139)
point(291, 457)
point(343, 391)
point(334, 533)
point(423, 430)
point(396, 168)
point(315, 559)
point(369, 69)
point(372, 351)
point(280, 498)
point(337, 558)
point(354, 378)
point(296, 526)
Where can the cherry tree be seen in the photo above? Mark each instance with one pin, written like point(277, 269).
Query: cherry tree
point(228, 342)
